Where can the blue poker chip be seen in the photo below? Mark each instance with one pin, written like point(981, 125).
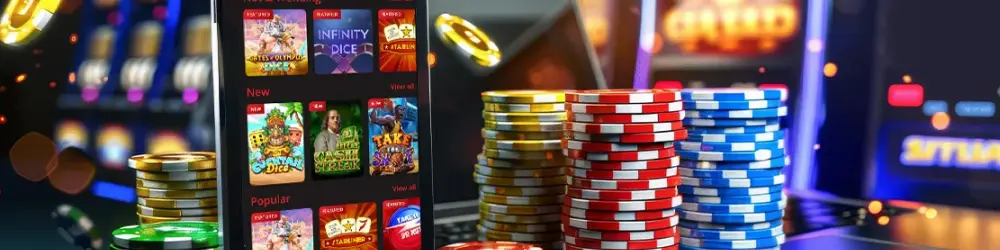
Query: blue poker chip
point(735, 199)
point(723, 218)
point(758, 137)
point(730, 227)
point(731, 234)
point(728, 174)
point(756, 155)
point(695, 122)
point(734, 244)
point(708, 191)
point(733, 183)
point(731, 105)
point(735, 208)
point(730, 146)
point(765, 164)
point(735, 130)
point(733, 94)
point(685, 247)
point(739, 114)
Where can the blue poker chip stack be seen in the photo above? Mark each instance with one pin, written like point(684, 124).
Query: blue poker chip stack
point(731, 169)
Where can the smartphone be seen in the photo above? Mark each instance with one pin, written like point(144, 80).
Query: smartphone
point(323, 129)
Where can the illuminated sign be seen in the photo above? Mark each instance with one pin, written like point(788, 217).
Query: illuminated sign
point(933, 151)
point(731, 26)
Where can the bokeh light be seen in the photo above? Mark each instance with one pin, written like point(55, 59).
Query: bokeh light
point(762, 70)
point(74, 38)
point(907, 79)
point(72, 77)
point(3, 119)
point(940, 120)
point(20, 77)
point(830, 69)
point(883, 220)
point(74, 173)
point(114, 144)
point(71, 133)
point(167, 142)
point(931, 213)
point(33, 156)
point(52, 84)
point(432, 59)
point(190, 95)
point(875, 207)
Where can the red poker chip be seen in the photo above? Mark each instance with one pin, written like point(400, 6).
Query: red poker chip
point(627, 118)
point(614, 147)
point(477, 245)
point(612, 128)
point(624, 206)
point(618, 216)
point(621, 156)
point(668, 162)
point(583, 243)
point(669, 136)
point(623, 96)
point(640, 108)
point(628, 226)
point(620, 236)
point(672, 181)
point(621, 195)
point(622, 174)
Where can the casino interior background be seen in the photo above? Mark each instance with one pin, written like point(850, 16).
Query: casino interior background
point(105, 79)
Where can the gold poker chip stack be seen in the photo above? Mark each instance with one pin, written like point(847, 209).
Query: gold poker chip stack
point(175, 187)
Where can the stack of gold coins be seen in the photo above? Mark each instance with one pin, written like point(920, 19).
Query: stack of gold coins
point(175, 187)
point(521, 170)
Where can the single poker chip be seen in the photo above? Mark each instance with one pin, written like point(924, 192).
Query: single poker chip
point(756, 155)
point(524, 126)
point(735, 130)
point(524, 108)
point(523, 145)
point(627, 118)
point(176, 176)
point(520, 219)
point(611, 128)
point(176, 185)
point(519, 182)
point(732, 94)
point(729, 174)
point(625, 206)
point(76, 227)
point(730, 146)
point(163, 212)
point(468, 40)
point(514, 173)
point(705, 191)
point(731, 227)
point(695, 122)
point(765, 164)
point(620, 236)
point(173, 162)
point(624, 184)
point(663, 163)
point(759, 137)
point(523, 191)
point(668, 136)
point(642, 108)
point(619, 215)
point(177, 203)
point(520, 200)
point(734, 183)
point(175, 194)
point(614, 245)
point(522, 155)
point(730, 235)
point(736, 199)
point(524, 96)
point(176, 235)
point(606, 225)
point(622, 174)
point(731, 105)
point(620, 156)
point(735, 244)
point(514, 163)
point(520, 228)
point(521, 237)
point(735, 208)
point(622, 96)
point(145, 219)
point(739, 114)
point(524, 117)
point(509, 135)
point(479, 245)
point(615, 147)
point(621, 195)
point(518, 210)
point(722, 218)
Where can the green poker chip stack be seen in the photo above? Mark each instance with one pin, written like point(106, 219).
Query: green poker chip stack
point(171, 235)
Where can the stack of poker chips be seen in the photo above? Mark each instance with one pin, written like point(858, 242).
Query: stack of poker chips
point(732, 169)
point(170, 235)
point(521, 170)
point(623, 173)
point(175, 187)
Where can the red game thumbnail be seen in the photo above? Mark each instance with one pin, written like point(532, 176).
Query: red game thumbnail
point(402, 224)
point(397, 41)
point(349, 226)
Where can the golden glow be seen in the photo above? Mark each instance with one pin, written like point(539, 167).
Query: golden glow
point(883, 220)
point(657, 44)
point(931, 213)
point(20, 77)
point(973, 153)
point(922, 210)
point(907, 79)
point(875, 207)
point(432, 59)
point(940, 120)
point(73, 38)
point(3, 119)
point(830, 69)
point(72, 77)
point(168, 142)
point(731, 25)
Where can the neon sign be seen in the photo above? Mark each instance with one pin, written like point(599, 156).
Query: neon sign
point(933, 151)
point(731, 26)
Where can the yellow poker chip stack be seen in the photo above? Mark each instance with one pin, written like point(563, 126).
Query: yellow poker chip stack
point(521, 172)
point(175, 187)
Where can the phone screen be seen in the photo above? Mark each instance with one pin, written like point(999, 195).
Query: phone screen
point(324, 129)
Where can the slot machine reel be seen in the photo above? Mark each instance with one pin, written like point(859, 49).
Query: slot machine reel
point(193, 72)
point(137, 72)
point(93, 71)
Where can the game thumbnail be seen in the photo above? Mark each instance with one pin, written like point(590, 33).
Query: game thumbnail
point(397, 41)
point(335, 130)
point(402, 224)
point(351, 226)
point(275, 137)
point(280, 230)
point(343, 42)
point(275, 42)
point(393, 136)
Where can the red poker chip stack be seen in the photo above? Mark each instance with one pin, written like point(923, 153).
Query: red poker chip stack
point(622, 169)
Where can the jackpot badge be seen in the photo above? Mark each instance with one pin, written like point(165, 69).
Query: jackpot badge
point(402, 224)
point(275, 143)
point(393, 136)
point(22, 21)
point(335, 130)
point(350, 226)
point(275, 42)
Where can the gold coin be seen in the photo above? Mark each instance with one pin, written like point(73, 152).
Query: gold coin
point(468, 39)
point(24, 20)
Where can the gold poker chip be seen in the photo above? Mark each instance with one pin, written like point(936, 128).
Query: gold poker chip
point(173, 162)
point(145, 219)
point(524, 96)
point(520, 200)
point(525, 117)
point(177, 203)
point(524, 145)
point(175, 194)
point(513, 135)
point(524, 191)
point(175, 185)
point(163, 212)
point(524, 107)
point(468, 39)
point(22, 21)
point(176, 176)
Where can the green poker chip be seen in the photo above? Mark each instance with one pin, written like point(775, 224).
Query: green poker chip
point(172, 235)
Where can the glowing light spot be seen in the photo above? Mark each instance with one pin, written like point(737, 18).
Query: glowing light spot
point(72, 77)
point(74, 38)
point(21, 77)
point(432, 59)
point(52, 84)
point(815, 45)
point(940, 120)
point(3, 119)
point(114, 18)
point(907, 79)
point(922, 210)
point(160, 12)
point(190, 96)
point(883, 220)
point(90, 94)
point(875, 207)
point(75, 172)
point(762, 70)
point(830, 69)
point(816, 147)
point(33, 156)
point(657, 44)
point(931, 213)
point(134, 95)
